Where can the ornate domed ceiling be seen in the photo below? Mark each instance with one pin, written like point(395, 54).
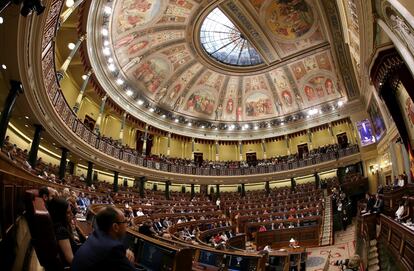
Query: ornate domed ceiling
point(233, 62)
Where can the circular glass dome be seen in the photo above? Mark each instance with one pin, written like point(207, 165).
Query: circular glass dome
point(225, 43)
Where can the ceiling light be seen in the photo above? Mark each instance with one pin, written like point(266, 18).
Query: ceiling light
point(4, 67)
point(84, 77)
point(313, 112)
point(26, 117)
point(340, 103)
point(163, 116)
point(111, 67)
point(176, 120)
point(41, 138)
point(106, 51)
point(1, 20)
point(119, 81)
point(106, 43)
point(71, 46)
point(129, 93)
point(26, 125)
point(246, 126)
point(53, 144)
point(268, 125)
point(110, 60)
point(140, 102)
point(256, 127)
point(107, 10)
point(104, 32)
point(189, 124)
point(69, 3)
point(202, 126)
point(282, 123)
point(151, 109)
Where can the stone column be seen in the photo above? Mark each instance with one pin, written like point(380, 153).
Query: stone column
point(62, 167)
point(116, 174)
point(144, 143)
point(142, 181)
point(101, 111)
point(192, 190)
point(61, 72)
point(89, 174)
point(192, 147)
point(393, 161)
point(309, 135)
point(287, 144)
point(167, 190)
point(71, 166)
point(331, 133)
point(168, 144)
point(264, 149)
point(240, 150)
point(35, 145)
point(243, 190)
point(121, 132)
point(66, 14)
point(15, 90)
point(406, 160)
point(79, 99)
point(217, 146)
point(317, 180)
point(267, 187)
point(292, 184)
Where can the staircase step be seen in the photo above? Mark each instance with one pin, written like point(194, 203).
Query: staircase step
point(373, 262)
point(374, 268)
point(373, 242)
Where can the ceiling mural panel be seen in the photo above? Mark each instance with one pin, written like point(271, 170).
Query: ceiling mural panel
point(152, 50)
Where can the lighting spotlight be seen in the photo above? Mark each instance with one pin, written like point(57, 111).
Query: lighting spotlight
point(32, 5)
point(1, 20)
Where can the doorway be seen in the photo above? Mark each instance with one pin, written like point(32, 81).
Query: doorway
point(303, 150)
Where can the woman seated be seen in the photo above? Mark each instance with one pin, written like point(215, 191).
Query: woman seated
point(400, 211)
point(406, 214)
point(61, 214)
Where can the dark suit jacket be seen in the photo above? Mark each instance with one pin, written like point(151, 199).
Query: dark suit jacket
point(101, 252)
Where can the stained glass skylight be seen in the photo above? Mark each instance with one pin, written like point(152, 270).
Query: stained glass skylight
point(224, 42)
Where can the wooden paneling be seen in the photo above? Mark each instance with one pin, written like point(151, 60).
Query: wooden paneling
point(400, 241)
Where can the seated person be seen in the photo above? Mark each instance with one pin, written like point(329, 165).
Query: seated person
point(61, 214)
point(104, 250)
point(262, 228)
point(400, 211)
point(378, 205)
point(406, 213)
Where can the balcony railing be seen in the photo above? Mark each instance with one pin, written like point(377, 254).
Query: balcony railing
point(81, 130)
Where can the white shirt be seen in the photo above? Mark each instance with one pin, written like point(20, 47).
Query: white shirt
point(399, 212)
point(140, 213)
point(401, 182)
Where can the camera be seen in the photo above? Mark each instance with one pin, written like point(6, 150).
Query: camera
point(349, 264)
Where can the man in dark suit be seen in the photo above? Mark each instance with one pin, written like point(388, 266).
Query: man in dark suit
point(103, 250)
point(379, 204)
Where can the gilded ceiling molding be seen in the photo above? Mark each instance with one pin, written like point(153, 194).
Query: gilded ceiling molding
point(341, 51)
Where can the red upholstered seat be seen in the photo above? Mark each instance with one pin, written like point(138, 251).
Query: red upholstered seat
point(41, 230)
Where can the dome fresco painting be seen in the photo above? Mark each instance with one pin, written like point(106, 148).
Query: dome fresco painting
point(229, 61)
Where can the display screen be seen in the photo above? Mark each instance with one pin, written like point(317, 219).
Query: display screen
point(377, 120)
point(210, 258)
point(154, 257)
point(365, 132)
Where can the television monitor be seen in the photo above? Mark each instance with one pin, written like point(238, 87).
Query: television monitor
point(365, 132)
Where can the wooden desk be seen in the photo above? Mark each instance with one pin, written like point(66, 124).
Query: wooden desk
point(399, 239)
point(306, 236)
